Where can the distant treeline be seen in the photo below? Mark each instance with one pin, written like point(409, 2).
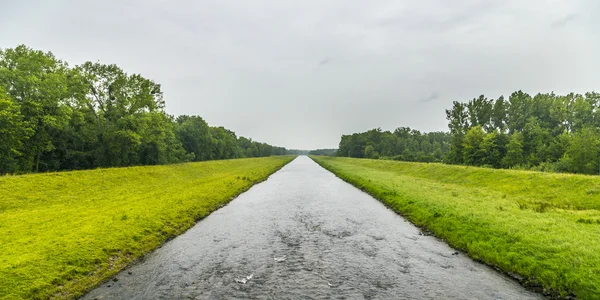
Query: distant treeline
point(55, 117)
point(402, 144)
point(297, 152)
point(546, 132)
point(327, 152)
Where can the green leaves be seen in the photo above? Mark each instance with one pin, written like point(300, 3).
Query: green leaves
point(38, 82)
point(540, 130)
point(403, 144)
point(582, 154)
point(53, 117)
point(514, 151)
point(14, 132)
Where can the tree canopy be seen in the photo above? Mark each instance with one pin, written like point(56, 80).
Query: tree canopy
point(56, 117)
point(546, 132)
point(402, 144)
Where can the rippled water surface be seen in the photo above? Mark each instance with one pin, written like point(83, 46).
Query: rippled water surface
point(305, 234)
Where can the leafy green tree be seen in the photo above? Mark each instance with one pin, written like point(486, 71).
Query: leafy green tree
point(492, 149)
point(499, 116)
point(386, 145)
point(369, 151)
point(480, 113)
point(438, 154)
point(37, 82)
point(252, 151)
point(53, 117)
point(14, 132)
point(519, 110)
point(283, 151)
point(514, 151)
point(582, 109)
point(352, 145)
point(537, 140)
point(458, 124)
point(583, 151)
point(225, 143)
point(472, 154)
point(594, 99)
point(195, 137)
point(159, 143)
point(120, 105)
point(375, 155)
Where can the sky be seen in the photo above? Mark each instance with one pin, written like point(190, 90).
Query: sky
point(299, 74)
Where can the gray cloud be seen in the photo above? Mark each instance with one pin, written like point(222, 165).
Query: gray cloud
point(324, 61)
point(433, 96)
point(250, 65)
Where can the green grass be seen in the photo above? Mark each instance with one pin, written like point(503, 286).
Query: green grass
point(543, 227)
point(63, 233)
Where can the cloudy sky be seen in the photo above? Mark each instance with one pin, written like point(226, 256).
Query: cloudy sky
point(300, 74)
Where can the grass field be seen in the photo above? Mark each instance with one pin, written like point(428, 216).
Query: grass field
point(542, 227)
point(63, 233)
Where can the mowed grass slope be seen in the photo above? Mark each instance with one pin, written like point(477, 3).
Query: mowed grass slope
point(62, 233)
point(543, 227)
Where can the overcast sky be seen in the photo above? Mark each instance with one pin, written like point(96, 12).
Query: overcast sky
point(299, 74)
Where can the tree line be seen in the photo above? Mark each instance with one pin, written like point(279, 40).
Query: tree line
point(545, 132)
point(56, 117)
point(326, 152)
point(403, 144)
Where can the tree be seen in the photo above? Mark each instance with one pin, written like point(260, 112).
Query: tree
point(498, 117)
point(38, 83)
point(514, 151)
point(120, 104)
point(583, 151)
point(159, 143)
point(353, 145)
point(53, 117)
point(472, 154)
point(224, 143)
point(519, 110)
point(537, 140)
point(369, 151)
point(14, 132)
point(582, 109)
point(458, 124)
point(480, 113)
point(195, 137)
point(491, 150)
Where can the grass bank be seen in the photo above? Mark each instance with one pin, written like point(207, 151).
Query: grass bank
point(63, 233)
point(542, 228)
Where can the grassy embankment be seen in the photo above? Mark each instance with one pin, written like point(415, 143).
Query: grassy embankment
point(543, 227)
point(63, 233)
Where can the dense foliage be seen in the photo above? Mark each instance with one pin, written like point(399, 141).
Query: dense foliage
point(546, 132)
point(55, 117)
point(326, 152)
point(402, 144)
